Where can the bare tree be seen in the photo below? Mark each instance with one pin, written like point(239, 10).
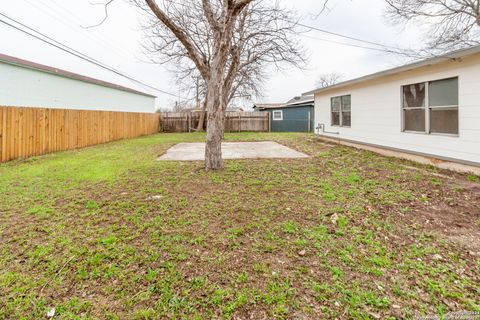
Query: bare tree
point(224, 41)
point(328, 79)
point(249, 82)
point(454, 23)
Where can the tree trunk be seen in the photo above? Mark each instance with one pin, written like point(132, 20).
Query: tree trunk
point(216, 106)
point(213, 148)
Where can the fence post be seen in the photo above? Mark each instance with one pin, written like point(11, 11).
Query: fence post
point(309, 125)
point(269, 122)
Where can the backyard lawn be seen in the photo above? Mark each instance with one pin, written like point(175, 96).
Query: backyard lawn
point(108, 232)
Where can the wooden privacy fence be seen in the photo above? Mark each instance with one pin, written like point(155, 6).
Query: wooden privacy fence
point(234, 121)
point(26, 132)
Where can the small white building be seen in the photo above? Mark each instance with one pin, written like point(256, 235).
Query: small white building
point(28, 84)
point(429, 109)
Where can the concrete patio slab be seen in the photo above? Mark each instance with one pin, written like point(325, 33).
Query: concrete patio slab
point(232, 150)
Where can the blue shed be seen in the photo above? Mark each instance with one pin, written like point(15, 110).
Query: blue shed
point(297, 115)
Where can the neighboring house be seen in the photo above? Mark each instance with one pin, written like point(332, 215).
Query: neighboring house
point(29, 84)
point(297, 115)
point(429, 108)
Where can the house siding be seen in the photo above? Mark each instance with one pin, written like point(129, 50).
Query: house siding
point(377, 117)
point(295, 119)
point(21, 86)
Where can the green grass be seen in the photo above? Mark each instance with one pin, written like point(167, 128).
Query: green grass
point(108, 232)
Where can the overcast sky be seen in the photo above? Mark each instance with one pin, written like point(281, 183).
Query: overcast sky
point(117, 42)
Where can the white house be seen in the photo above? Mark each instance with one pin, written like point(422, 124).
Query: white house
point(28, 84)
point(429, 109)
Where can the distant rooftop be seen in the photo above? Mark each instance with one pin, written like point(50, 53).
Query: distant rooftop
point(66, 74)
point(299, 100)
point(267, 105)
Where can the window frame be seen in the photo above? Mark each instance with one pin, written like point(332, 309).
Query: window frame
point(427, 109)
point(340, 112)
point(281, 115)
point(424, 108)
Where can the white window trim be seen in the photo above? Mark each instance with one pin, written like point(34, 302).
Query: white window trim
point(341, 112)
point(277, 119)
point(427, 109)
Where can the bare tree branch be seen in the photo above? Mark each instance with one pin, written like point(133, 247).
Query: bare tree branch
point(315, 16)
point(180, 34)
point(454, 23)
point(105, 7)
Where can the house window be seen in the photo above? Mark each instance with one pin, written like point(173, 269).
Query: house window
point(431, 107)
point(341, 111)
point(278, 115)
point(443, 106)
point(414, 107)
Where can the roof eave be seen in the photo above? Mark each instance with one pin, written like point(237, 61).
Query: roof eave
point(419, 64)
point(300, 103)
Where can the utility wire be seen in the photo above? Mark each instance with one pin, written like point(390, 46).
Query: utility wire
point(76, 53)
point(346, 44)
point(347, 37)
point(387, 48)
point(59, 12)
point(365, 47)
point(61, 17)
point(381, 47)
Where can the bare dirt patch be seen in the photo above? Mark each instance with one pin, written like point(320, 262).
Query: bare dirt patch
point(454, 212)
